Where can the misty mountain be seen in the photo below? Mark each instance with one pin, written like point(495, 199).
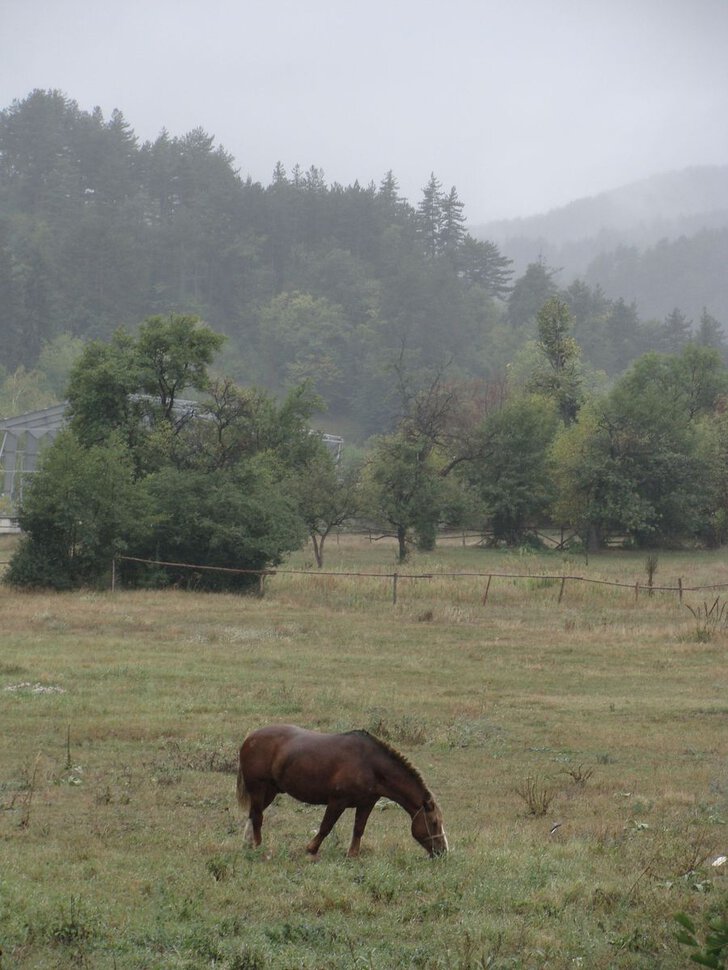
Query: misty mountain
point(643, 242)
point(641, 214)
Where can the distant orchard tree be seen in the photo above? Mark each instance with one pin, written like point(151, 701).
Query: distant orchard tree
point(327, 497)
point(404, 491)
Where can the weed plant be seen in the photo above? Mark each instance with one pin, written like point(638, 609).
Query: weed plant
point(709, 619)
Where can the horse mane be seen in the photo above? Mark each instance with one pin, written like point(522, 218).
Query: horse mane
point(396, 756)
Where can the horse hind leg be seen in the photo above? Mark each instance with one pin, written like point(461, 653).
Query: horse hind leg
point(259, 801)
point(249, 833)
point(254, 824)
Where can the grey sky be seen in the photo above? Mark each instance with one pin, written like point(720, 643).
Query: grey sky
point(521, 104)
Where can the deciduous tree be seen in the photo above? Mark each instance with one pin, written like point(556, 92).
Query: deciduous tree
point(327, 497)
point(404, 490)
point(559, 376)
point(513, 475)
point(81, 508)
point(632, 464)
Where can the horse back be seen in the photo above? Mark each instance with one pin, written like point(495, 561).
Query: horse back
point(310, 766)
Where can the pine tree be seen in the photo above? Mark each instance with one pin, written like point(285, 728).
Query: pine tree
point(481, 263)
point(452, 223)
point(279, 174)
point(529, 294)
point(622, 331)
point(710, 333)
point(430, 216)
point(675, 332)
point(389, 189)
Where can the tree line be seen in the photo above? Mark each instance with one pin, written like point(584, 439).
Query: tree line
point(233, 478)
point(643, 459)
point(309, 281)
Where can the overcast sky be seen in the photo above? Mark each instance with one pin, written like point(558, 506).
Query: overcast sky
point(523, 105)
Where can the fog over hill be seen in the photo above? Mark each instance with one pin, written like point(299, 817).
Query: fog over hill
point(661, 242)
point(641, 214)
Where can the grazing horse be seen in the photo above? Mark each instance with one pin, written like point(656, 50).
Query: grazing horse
point(351, 770)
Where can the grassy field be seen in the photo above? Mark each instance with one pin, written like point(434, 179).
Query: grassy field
point(121, 714)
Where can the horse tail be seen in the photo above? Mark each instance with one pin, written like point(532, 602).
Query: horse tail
point(242, 791)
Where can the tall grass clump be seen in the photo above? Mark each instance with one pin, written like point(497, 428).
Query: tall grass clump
point(536, 795)
point(709, 620)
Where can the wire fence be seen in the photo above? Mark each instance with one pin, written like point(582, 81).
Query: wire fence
point(396, 577)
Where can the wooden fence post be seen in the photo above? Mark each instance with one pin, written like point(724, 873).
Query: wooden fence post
point(113, 575)
point(487, 587)
point(636, 591)
point(679, 588)
point(561, 591)
point(394, 589)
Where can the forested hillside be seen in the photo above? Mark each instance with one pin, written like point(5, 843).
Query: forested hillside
point(352, 286)
point(689, 271)
point(135, 275)
point(657, 242)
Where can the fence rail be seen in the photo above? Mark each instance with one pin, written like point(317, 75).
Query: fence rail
point(396, 576)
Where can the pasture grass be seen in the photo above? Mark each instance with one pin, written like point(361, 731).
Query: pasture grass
point(578, 750)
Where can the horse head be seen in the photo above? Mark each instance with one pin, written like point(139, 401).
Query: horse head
point(428, 829)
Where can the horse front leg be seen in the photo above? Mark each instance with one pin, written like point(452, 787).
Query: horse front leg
point(360, 821)
point(331, 817)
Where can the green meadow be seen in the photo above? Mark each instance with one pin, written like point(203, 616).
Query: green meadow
point(575, 739)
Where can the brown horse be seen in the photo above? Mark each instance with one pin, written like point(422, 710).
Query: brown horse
point(351, 770)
